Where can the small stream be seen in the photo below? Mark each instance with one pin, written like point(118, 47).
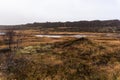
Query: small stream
point(59, 36)
point(76, 35)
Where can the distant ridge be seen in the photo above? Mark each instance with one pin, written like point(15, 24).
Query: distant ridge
point(76, 26)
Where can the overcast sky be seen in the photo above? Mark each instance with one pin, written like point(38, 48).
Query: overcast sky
point(29, 11)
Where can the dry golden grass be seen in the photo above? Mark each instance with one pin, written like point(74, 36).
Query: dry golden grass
point(66, 59)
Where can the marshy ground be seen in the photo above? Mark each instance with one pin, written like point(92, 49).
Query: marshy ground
point(66, 58)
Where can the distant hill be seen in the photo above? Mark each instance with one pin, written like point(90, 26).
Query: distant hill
point(89, 26)
point(76, 26)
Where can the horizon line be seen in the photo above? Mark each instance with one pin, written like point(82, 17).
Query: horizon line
point(58, 21)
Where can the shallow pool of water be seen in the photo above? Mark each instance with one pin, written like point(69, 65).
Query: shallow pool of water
point(59, 36)
point(2, 33)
